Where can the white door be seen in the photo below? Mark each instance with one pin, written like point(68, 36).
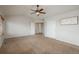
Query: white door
point(39, 28)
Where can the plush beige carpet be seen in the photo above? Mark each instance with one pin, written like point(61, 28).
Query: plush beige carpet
point(36, 44)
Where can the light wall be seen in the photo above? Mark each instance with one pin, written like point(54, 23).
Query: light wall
point(17, 26)
point(66, 33)
point(20, 25)
point(50, 28)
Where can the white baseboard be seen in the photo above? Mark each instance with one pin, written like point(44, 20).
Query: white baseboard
point(65, 42)
point(10, 36)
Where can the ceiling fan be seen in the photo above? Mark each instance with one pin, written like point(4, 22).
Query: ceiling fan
point(38, 11)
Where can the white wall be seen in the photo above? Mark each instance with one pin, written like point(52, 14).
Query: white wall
point(66, 33)
point(50, 28)
point(17, 26)
point(32, 28)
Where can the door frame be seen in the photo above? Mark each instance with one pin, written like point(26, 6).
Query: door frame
point(42, 28)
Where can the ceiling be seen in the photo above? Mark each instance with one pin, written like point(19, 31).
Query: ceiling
point(51, 10)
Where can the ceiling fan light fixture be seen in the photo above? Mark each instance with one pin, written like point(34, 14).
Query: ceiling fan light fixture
point(37, 13)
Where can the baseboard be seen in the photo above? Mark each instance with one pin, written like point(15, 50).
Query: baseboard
point(19, 36)
point(65, 43)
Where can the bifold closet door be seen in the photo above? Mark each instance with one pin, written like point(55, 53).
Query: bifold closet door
point(39, 28)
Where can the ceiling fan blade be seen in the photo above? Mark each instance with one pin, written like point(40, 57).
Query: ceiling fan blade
point(41, 9)
point(43, 12)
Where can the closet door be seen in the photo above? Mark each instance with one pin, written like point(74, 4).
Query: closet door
point(39, 28)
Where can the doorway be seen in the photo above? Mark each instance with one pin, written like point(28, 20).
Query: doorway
point(39, 28)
